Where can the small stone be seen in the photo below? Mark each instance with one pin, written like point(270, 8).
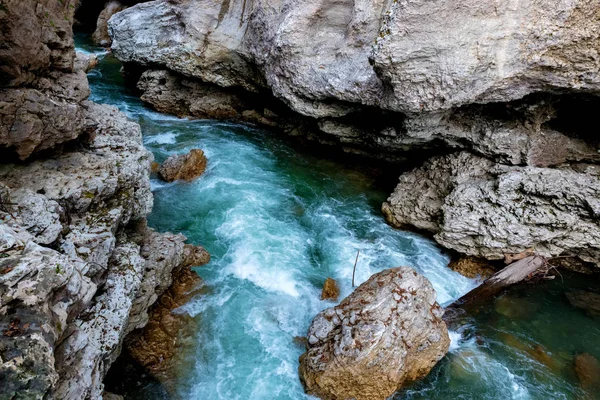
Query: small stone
point(472, 267)
point(183, 166)
point(331, 291)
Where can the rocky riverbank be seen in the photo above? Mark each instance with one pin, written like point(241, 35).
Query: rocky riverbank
point(511, 98)
point(79, 268)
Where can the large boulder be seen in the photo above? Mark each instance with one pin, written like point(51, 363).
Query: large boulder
point(386, 334)
point(379, 78)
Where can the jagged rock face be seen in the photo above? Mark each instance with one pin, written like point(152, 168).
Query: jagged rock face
point(483, 209)
point(77, 202)
point(295, 44)
point(39, 88)
point(36, 38)
point(315, 55)
point(386, 334)
point(79, 267)
point(438, 55)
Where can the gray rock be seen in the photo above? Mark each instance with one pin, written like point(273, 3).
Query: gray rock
point(438, 55)
point(88, 202)
point(483, 209)
point(387, 333)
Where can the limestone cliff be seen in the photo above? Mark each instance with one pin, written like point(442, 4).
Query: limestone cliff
point(74, 194)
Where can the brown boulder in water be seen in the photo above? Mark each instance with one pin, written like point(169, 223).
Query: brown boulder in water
point(183, 166)
point(587, 368)
point(331, 291)
point(386, 334)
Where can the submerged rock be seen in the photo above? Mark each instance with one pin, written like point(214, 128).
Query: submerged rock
point(585, 300)
point(155, 346)
point(386, 334)
point(330, 291)
point(587, 368)
point(183, 166)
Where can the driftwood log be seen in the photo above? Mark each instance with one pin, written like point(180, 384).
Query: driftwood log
point(516, 272)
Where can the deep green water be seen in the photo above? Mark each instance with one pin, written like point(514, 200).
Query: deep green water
point(277, 223)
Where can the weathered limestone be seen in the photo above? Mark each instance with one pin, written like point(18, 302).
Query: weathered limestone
point(443, 54)
point(317, 58)
point(386, 334)
point(75, 272)
point(489, 210)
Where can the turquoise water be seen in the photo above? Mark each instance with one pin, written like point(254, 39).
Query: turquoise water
point(277, 223)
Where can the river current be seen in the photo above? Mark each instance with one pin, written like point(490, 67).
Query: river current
point(277, 222)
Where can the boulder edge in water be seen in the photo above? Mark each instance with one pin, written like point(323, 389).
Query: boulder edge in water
point(386, 334)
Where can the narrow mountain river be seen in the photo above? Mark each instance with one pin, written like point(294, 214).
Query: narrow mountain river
point(277, 223)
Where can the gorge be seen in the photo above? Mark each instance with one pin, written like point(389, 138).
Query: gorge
point(486, 112)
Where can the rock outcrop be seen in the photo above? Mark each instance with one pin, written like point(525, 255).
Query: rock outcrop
point(79, 268)
point(183, 166)
point(488, 210)
point(386, 334)
point(155, 346)
point(100, 35)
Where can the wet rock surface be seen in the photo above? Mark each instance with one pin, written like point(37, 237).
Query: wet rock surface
point(156, 345)
point(183, 166)
point(330, 291)
point(386, 334)
point(472, 267)
point(587, 368)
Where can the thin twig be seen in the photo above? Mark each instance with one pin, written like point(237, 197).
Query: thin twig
point(354, 269)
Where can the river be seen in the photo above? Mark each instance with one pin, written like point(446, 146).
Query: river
point(277, 222)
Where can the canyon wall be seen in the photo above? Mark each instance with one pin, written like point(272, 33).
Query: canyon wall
point(502, 94)
point(79, 268)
